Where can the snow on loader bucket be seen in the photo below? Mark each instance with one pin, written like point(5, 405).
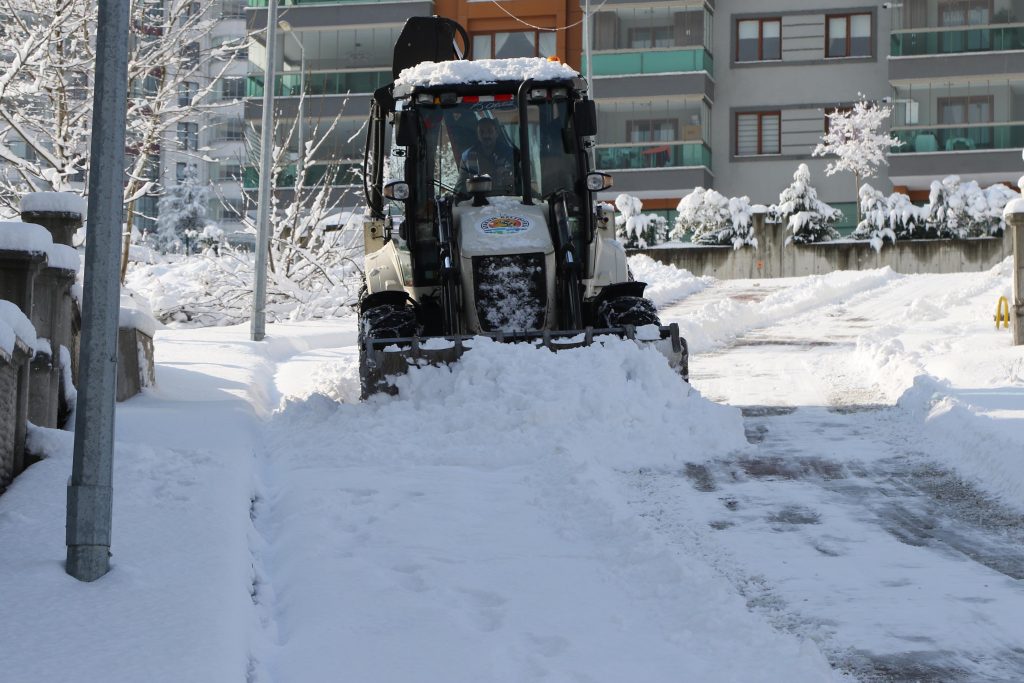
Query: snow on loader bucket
point(483, 213)
point(390, 357)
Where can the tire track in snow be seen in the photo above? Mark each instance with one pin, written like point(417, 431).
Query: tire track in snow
point(836, 525)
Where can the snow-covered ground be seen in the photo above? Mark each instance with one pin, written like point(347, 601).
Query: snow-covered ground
point(580, 516)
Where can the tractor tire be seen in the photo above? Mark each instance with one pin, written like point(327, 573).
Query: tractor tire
point(627, 310)
point(381, 322)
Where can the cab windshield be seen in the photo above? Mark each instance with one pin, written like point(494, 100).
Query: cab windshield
point(482, 138)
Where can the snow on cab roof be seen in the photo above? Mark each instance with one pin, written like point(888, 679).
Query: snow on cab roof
point(427, 74)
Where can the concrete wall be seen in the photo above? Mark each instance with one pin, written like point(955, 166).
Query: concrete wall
point(774, 260)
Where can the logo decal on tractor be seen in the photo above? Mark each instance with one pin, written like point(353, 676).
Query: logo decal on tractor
point(504, 225)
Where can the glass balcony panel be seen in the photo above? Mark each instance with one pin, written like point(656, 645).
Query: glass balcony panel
point(954, 139)
point(909, 15)
point(653, 155)
point(628, 121)
point(956, 41)
point(650, 27)
point(650, 62)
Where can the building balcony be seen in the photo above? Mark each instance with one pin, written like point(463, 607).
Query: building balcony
point(292, 3)
point(653, 155)
point(956, 41)
point(652, 61)
point(959, 138)
point(338, 83)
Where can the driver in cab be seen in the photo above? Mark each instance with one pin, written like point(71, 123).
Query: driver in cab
point(491, 155)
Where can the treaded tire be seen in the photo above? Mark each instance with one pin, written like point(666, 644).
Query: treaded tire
point(627, 310)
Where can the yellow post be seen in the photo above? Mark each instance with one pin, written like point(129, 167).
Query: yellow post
point(1003, 312)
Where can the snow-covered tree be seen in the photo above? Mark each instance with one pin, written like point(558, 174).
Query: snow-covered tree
point(907, 220)
point(713, 218)
point(808, 218)
point(182, 211)
point(635, 229)
point(855, 140)
point(961, 210)
point(46, 91)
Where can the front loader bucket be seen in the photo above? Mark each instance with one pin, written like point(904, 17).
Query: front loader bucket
point(384, 358)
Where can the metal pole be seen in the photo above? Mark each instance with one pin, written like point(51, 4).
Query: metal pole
point(89, 491)
point(1017, 314)
point(259, 298)
point(586, 46)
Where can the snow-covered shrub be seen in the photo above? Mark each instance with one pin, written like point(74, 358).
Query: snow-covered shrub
point(997, 197)
point(907, 220)
point(957, 210)
point(637, 230)
point(808, 218)
point(875, 224)
point(713, 218)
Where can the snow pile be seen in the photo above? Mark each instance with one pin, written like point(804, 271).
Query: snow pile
point(718, 323)
point(665, 284)
point(62, 202)
point(14, 324)
point(427, 74)
point(713, 218)
point(483, 513)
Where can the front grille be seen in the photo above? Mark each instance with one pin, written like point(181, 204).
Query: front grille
point(510, 292)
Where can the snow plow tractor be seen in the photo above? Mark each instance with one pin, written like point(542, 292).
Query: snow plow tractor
point(482, 213)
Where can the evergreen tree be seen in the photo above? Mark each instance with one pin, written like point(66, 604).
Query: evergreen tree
point(182, 212)
point(808, 218)
point(713, 218)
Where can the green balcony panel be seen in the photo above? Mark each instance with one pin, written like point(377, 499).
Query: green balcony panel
point(654, 155)
point(953, 41)
point(650, 62)
point(966, 138)
point(340, 83)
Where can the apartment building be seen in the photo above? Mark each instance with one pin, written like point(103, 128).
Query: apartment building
point(717, 93)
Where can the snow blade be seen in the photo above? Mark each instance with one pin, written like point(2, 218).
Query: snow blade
point(384, 358)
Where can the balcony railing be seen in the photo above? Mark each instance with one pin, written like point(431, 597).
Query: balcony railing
point(952, 41)
point(342, 174)
point(959, 138)
point(653, 155)
point(339, 83)
point(650, 62)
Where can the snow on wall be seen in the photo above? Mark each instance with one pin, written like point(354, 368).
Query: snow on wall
point(54, 201)
point(13, 323)
point(483, 71)
point(64, 257)
point(18, 236)
point(135, 313)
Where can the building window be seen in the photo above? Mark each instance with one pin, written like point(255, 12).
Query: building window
point(758, 40)
point(232, 88)
point(179, 171)
point(188, 136)
point(848, 35)
point(189, 11)
point(232, 9)
point(186, 92)
point(502, 45)
point(758, 133)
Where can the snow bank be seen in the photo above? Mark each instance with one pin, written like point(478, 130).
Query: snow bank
point(665, 284)
point(54, 201)
point(484, 71)
point(719, 322)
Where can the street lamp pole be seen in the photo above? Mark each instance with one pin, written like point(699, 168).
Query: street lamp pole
point(586, 46)
point(259, 299)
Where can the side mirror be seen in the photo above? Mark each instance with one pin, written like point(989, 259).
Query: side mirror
point(584, 118)
point(406, 128)
point(597, 181)
point(397, 190)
